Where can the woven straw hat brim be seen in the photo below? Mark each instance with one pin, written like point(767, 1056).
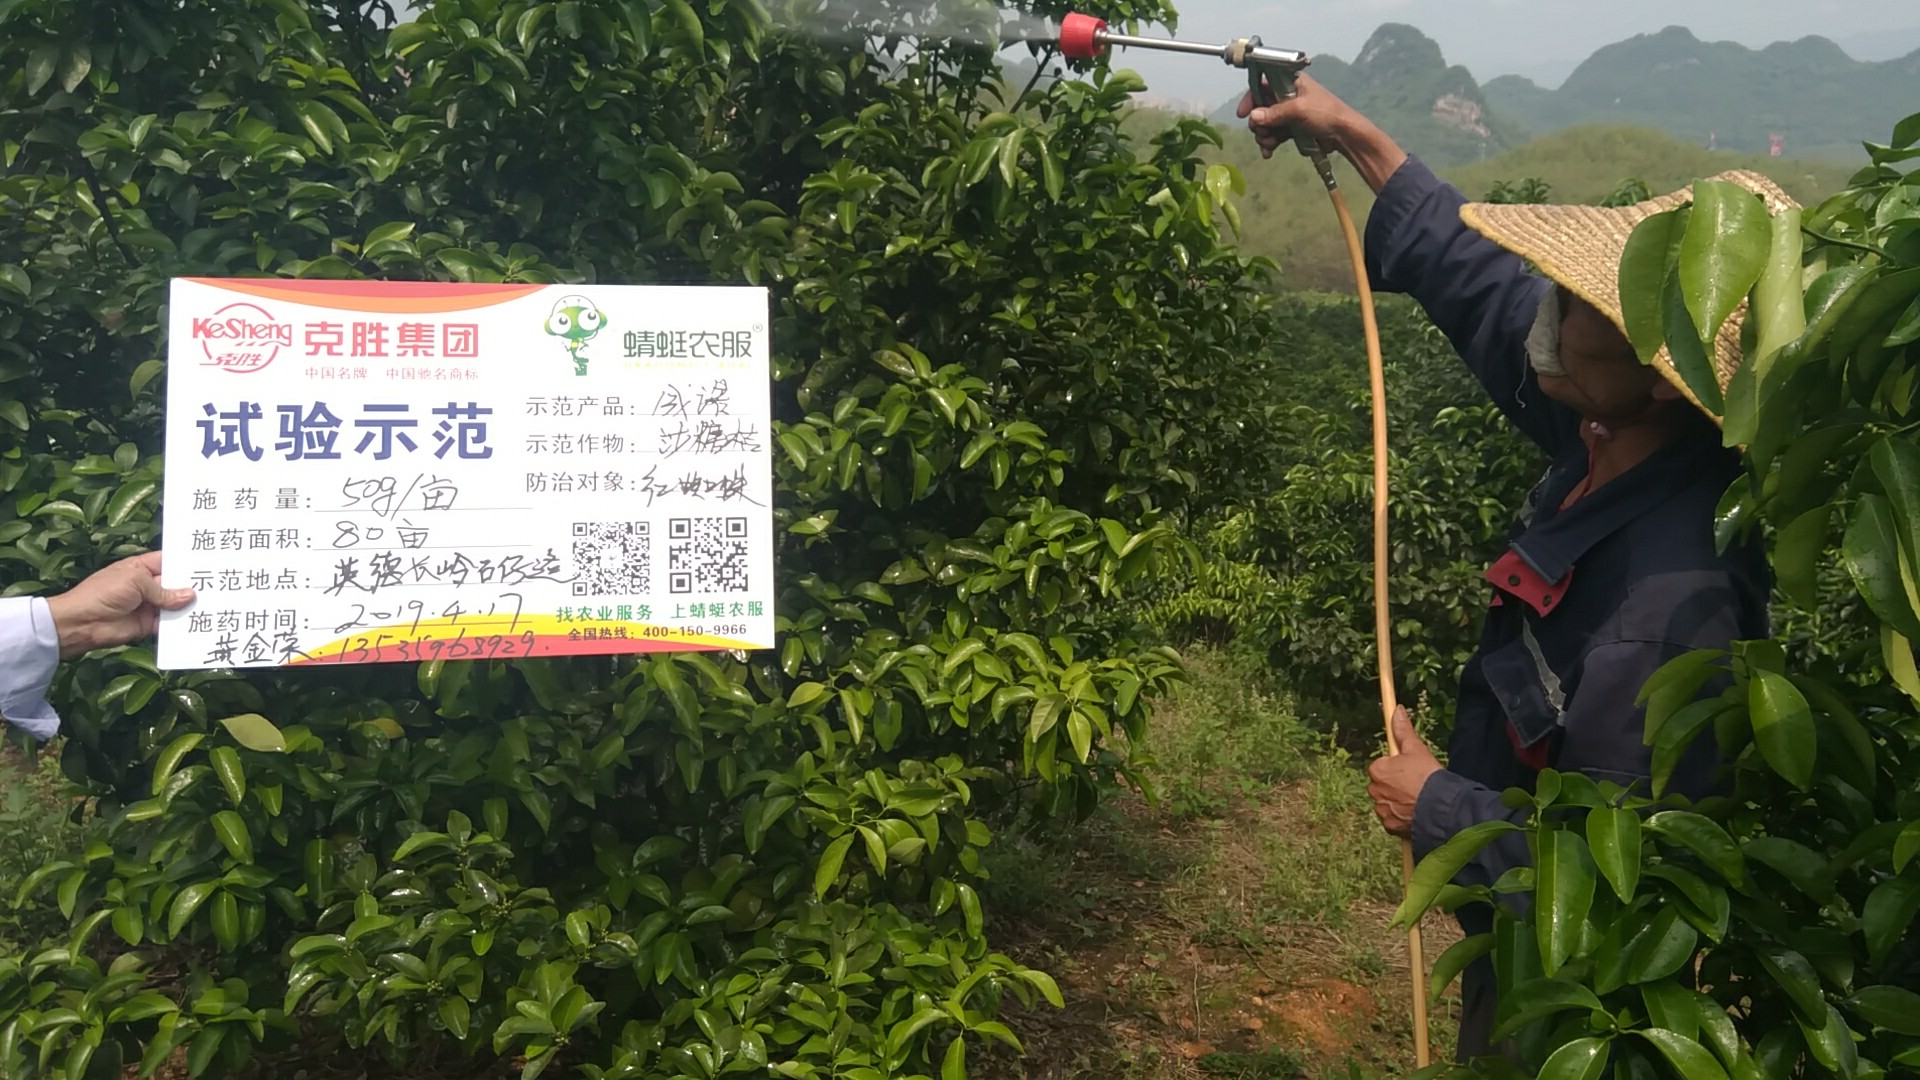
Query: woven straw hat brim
point(1580, 248)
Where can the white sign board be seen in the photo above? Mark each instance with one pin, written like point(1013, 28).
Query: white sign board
point(367, 472)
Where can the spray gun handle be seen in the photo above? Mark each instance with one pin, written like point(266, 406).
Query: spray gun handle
point(1269, 83)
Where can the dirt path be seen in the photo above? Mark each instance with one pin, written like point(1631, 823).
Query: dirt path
point(1248, 940)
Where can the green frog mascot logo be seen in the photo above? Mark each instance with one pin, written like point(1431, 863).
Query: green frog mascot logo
point(576, 319)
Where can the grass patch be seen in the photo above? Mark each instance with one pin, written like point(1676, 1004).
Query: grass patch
point(1231, 925)
point(37, 825)
point(1229, 739)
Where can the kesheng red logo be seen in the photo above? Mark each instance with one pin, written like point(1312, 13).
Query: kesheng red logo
point(241, 337)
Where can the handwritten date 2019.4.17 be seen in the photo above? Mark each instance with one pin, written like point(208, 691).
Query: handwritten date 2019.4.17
point(505, 608)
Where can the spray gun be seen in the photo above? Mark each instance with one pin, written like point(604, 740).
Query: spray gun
point(1270, 72)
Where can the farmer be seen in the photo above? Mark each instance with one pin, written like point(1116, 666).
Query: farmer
point(114, 606)
point(1611, 570)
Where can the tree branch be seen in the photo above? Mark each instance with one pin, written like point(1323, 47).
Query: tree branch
point(100, 199)
point(1037, 72)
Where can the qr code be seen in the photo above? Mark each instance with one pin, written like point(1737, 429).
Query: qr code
point(707, 554)
point(614, 558)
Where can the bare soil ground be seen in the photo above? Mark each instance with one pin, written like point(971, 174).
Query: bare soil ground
point(1237, 928)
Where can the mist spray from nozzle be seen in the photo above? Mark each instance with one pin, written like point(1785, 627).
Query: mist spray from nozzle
point(967, 22)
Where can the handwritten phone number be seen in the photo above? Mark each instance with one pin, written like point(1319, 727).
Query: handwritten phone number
point(362, 649)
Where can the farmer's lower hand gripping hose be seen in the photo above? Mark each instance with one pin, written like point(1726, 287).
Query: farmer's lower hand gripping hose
point(1270, 77)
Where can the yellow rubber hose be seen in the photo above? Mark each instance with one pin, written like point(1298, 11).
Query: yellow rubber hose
point(1382, 624)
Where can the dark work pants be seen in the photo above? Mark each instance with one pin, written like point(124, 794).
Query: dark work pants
point(1479, 999)
point(1477, 1003)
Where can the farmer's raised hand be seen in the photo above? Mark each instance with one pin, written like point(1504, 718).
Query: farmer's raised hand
point(114, 606)
point(1313, 111)
point(1394, 780)
point(1338, 127)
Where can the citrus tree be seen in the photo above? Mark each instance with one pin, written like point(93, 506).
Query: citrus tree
point(1288, 571)
point(1005, 339)
point(1766, 931)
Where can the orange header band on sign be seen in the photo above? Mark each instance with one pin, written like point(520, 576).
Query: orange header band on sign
point(397, 297)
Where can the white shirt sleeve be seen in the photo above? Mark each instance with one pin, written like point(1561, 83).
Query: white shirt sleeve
point(29, 651)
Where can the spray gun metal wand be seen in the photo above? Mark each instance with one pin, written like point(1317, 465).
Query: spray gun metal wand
point(1270, 72)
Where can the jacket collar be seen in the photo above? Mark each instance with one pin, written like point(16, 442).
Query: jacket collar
point(1557, 539)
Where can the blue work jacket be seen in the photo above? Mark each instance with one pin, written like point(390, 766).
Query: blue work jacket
point(1586, 602)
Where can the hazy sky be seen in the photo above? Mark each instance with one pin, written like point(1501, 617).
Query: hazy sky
point(1542, 39)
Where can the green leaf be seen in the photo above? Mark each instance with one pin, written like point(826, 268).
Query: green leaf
point(1831, 1043)
point(1870, 551)
point(1613, 835)
point(1581, 1059)
point(665, 674)
point(1783, 727)
point(1670, 1006)
point(79, 61)
point(1440, 866)
point(1796, 554)
point(1010, 146)
point(1796, 976)
point(419, 840)
point(39, 68)
point(1897, 652)
point(971, 910)
point(1906, 847)
point(312, 120)
point(1892, 1008)
point(1778, 311)
point(170, 759)
point(226, 765)
point(144, 373)
point(828, 871)
point(1705, 838)
point(185, 903)
point(387, 233)
point(1723, 252)
point(1690, 355)
point(1896, 464)
point(1458, 957)
point(876, 849)
point(1564, 886)
point(1644, 264)
point(954, 1065)
point(231, 829)
point(1080, 732)
point(1794, 861)
point(1660, 948)
point(128, 498)
point(1906, 132)
point(255, 732)
point(1044, 983)
point(1688, 1058)
point(1887, 914)
point(205, 1043)
point(1540, 998)
point(455, 1014)
point(142, 1006)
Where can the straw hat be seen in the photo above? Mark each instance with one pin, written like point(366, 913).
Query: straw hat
point(1580, 247)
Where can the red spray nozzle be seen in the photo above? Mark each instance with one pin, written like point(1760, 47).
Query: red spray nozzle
point(1080, 36)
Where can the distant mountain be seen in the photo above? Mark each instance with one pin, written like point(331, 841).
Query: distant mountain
point(1819, 100)
point(1881, 45)
point(1402, 82)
